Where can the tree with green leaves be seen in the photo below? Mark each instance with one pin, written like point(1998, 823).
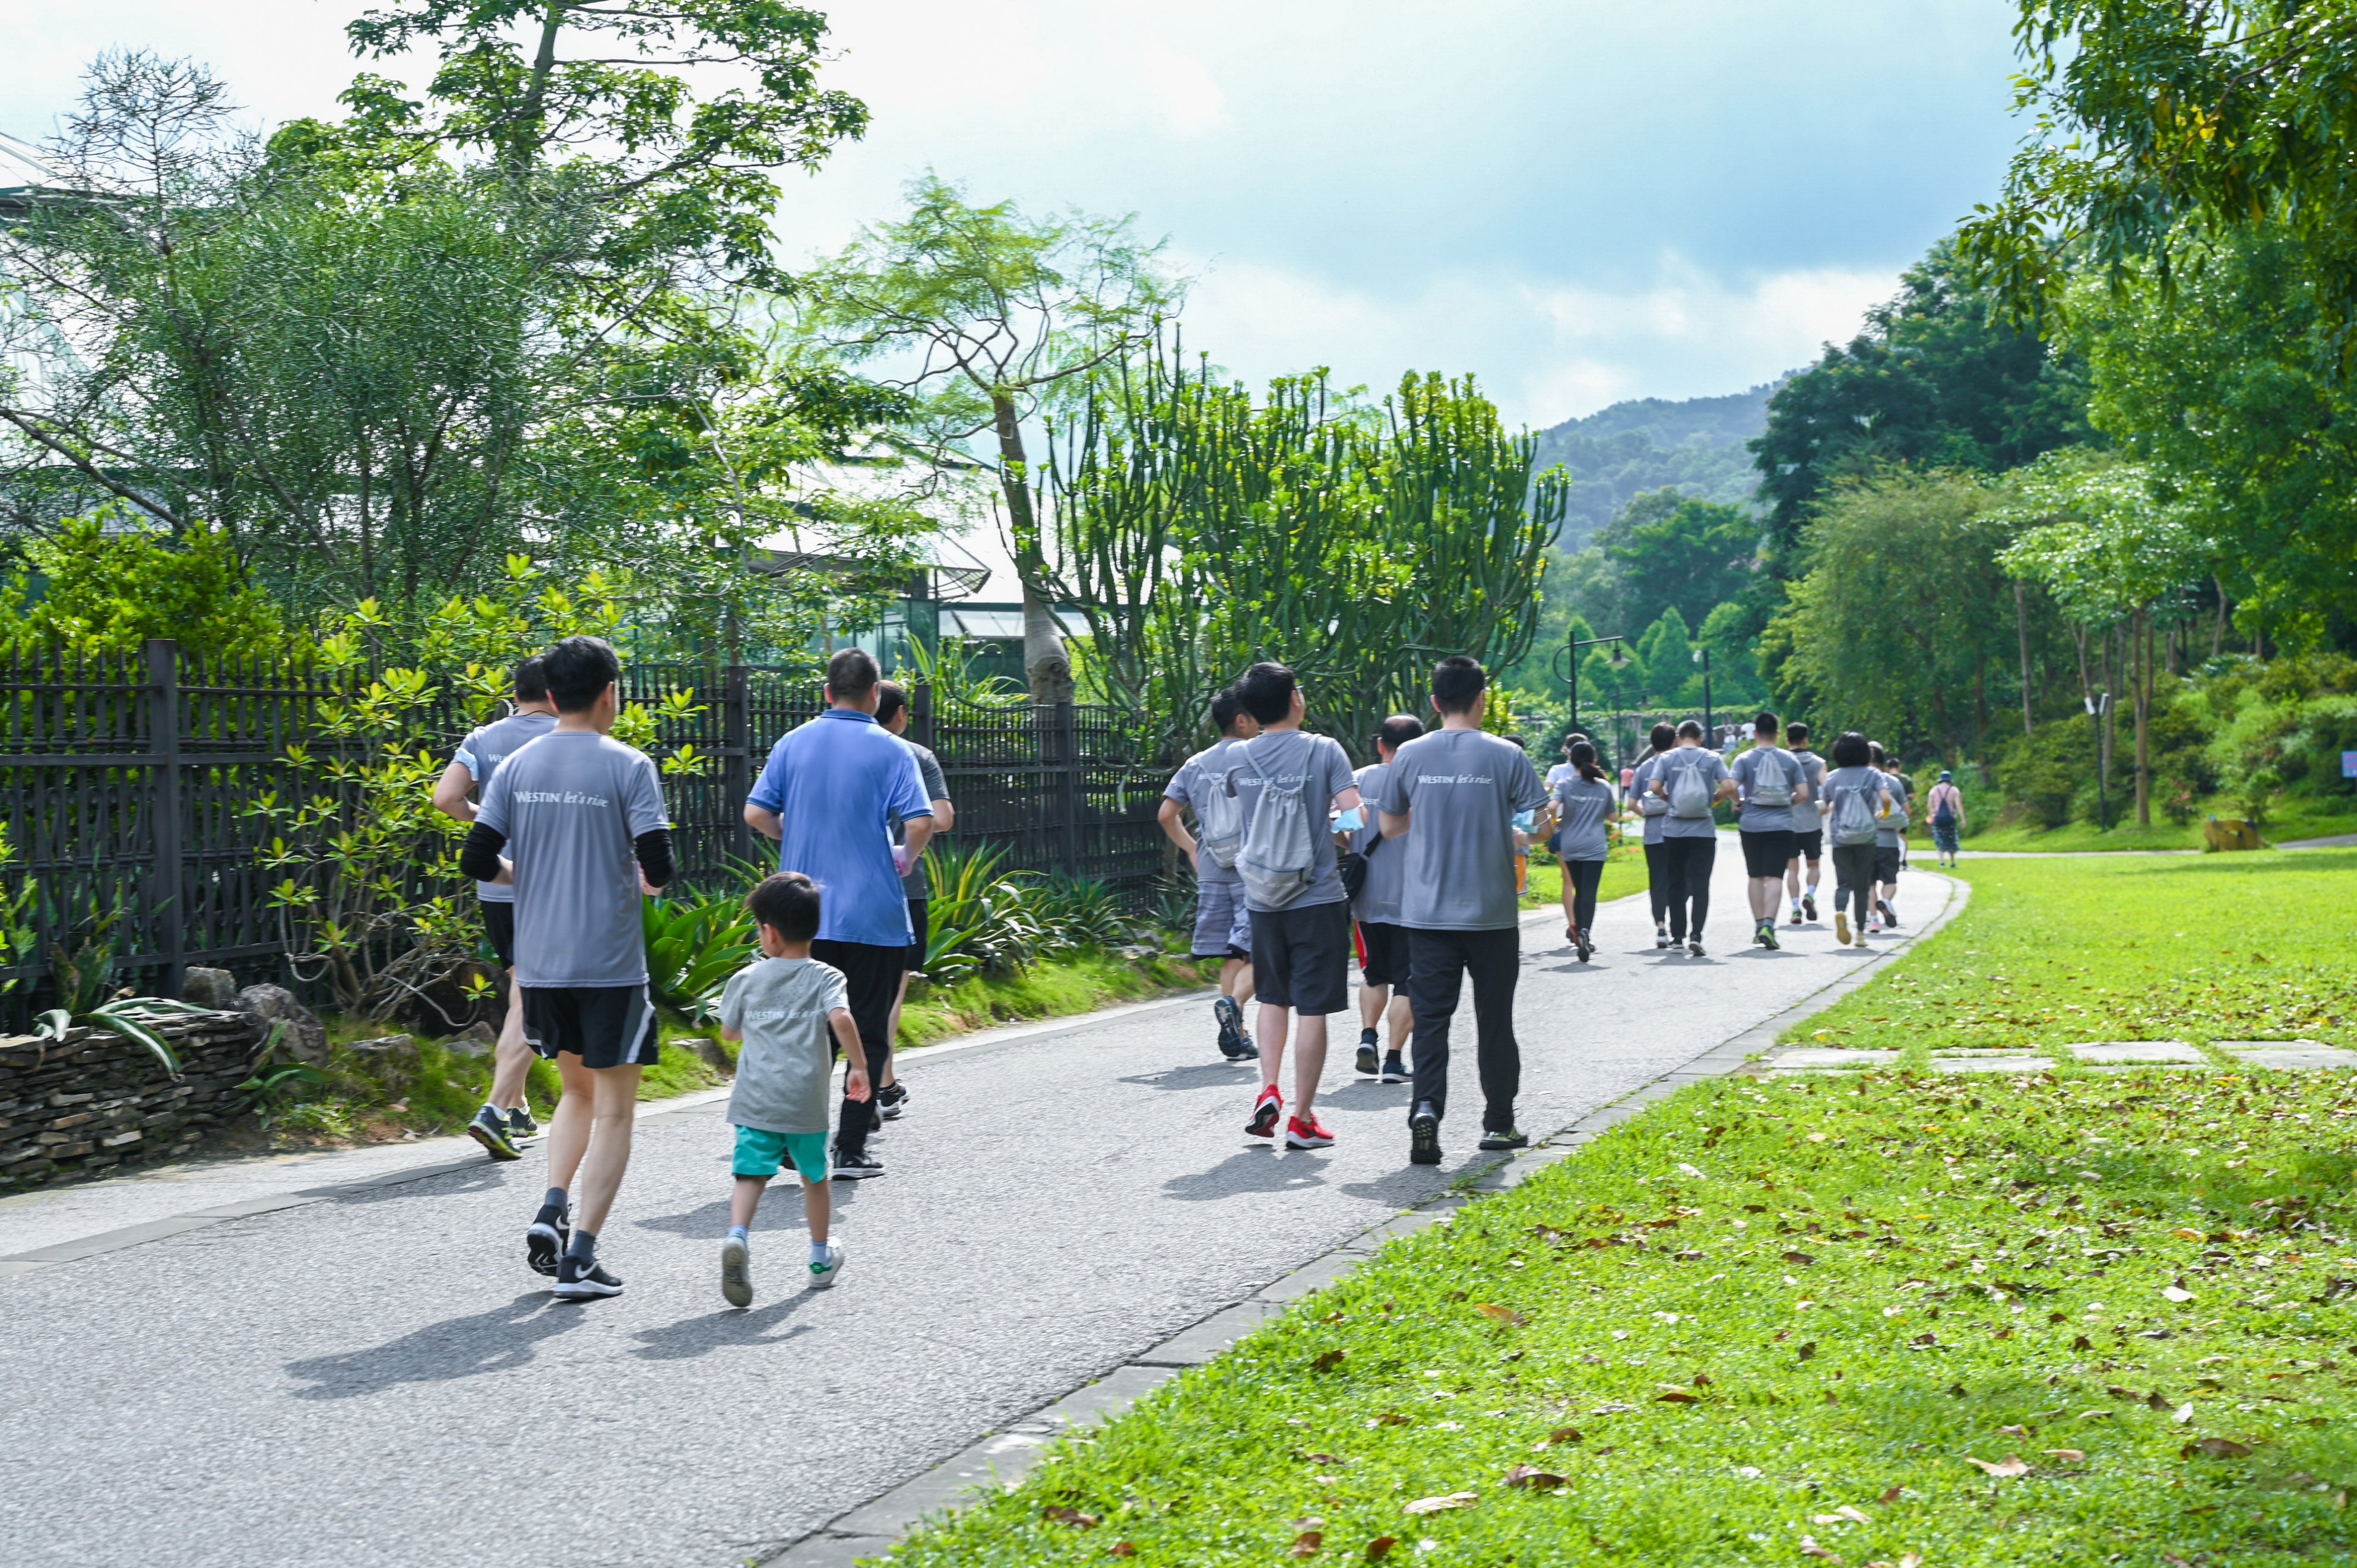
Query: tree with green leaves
point(1677, 552)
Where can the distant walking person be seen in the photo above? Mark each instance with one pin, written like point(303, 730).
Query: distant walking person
point(892, 712)
point(505, 1119)
point(1383, 940)
point(1286, 781)
point(1854, 797)
point(1650, 811)
point(1808, 827)
point(1452, 797)
point(580, 817)
point(1770, 781)
point(1890, 841)
point(1583, 803)
point(830, 794)
point(1223, 924)
point(1946, 805)
point(1689, 779)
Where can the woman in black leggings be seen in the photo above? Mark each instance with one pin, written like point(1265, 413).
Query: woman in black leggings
point(1653, 809)
point(1582, 802)
point(1854, 797)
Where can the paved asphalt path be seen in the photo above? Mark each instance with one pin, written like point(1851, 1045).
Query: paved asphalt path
point(378, 1380)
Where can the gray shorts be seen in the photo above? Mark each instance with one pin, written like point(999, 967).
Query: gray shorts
point(1222, 925)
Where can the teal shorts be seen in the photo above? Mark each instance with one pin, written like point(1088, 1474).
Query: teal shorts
point(760, 1152)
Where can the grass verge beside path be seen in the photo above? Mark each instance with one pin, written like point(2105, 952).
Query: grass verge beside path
point(1870, 1319)
point(2290, 818)
point(2049, 953)
point(1624, 872)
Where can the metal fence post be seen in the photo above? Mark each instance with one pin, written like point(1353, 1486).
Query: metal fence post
point(737, 758)
point(163, 746)
point(920, 713)
point(1068, 786)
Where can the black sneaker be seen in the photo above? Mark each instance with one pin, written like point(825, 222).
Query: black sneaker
point(1511, 1138)
point(1661, 936)
point(1424, 1136)
point(490, 1129)
point(1585, 949)
point(520, 1125)
point(1368, 1063)
point(856, 1164)
point(1889, 915)
point(1232, 1027)
point(1796, 915)
point(894, 1098)
point(1395, 1070)
point(1695, 947)
point(576, 1281)
point(546, 1242)
point(1809, 904)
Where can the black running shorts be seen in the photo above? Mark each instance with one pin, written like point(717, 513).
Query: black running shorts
point(1384, 962)
point(1301, 957)
point(605, 1025)
point(915, 962)
point(1766, 853)
point(1811, 843)
point(498, 920)
point(1886, 863)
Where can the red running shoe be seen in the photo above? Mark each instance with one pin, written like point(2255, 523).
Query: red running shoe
point(1300, 1134)
point(1265, 1110)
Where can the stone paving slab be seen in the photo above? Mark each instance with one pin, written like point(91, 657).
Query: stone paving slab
point(1992, 1064)
point(2297, 1058)
point(2106, 1051)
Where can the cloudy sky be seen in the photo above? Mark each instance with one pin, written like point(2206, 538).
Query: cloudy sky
point(1576, 201)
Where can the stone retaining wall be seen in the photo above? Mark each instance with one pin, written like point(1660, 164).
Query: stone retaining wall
point(96, 1100)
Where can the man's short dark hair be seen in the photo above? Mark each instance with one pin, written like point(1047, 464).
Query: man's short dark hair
point(1458, 683)
point(1267, 692)
point(1797, 732)
point(788, 904)
point(1765, 723)
point(1882, 758)
point(578, 669)
point(852, 673)
point(890, 698)
point(1666, 736)
point(1850, 750)
point(1397, 731)
point(1225, 706)
point(1690, 730)
point(1572, 738)
point(531, 679)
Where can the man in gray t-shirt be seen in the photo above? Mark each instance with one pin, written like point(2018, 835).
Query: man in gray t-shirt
point(1808, 827)
point(1771, 782)
point(1688, 780)
point(1383, 959)
point(1223, 924)
point(1449, 799)
point(505, 1118)
point(575, 822)
point(892, 712)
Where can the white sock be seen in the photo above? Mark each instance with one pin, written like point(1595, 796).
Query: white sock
point(818, 1252)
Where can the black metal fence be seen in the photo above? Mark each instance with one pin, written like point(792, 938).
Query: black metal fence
point(127, 788)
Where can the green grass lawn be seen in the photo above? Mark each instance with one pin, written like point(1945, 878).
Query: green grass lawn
point(1624, 872)
point(1862, 1320)
point(2202, 948)
point(2292, 817)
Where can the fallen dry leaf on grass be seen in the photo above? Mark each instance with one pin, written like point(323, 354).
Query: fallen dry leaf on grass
point(1436, 1505)
point(1532, 1478)
point(1121, 1549)
point(1381, 1547)
point(1672, 1394)
point(1892, 1495)
point(1326, 1360)
point(1809, 1547)
point(1307, 1543)
point(2068, 1455)
point(2214, 1448)
point(2011, 1465)
point(2184, 1413)
point(1799, 1260)
point(1560, 1435)
point(1388, 1418)
point(1910, 1561)
point(1505, 1315)
point(1057, 1513)
point(2014, 1432)
point(2174, 1293)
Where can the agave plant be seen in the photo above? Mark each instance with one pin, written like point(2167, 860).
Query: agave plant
point(694, 945)
point(982, 917)
point(135, 1018)
point(1081, 911)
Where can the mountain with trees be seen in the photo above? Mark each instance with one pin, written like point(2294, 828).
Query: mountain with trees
point(1645, 443)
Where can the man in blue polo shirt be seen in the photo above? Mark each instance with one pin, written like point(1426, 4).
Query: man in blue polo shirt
point(829, 795)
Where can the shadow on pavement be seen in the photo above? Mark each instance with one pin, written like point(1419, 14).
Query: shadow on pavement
point(711, 1220)
point(693, 1336)
point(474, 1178)
point(504, 1338)
point(1207, 1075)
point(1248, 1170)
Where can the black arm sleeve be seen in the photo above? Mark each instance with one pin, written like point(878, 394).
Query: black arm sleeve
point(654, 848)
point(478, 857)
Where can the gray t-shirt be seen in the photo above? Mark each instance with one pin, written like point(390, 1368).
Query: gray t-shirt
point(1201, 772)
point(1747, 771)
point(1805, 817)
point(480, 755)
point(1841, 782)
point(1583, 806)
point(1886, 832)
point(781, 1006)
point(570, 804)
point(937, 787)
point(1667, 767)
point(1461, 789)
point(1378, 903)
point(1316, 762)
point(1649, 810)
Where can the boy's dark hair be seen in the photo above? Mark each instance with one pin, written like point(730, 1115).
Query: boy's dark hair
point(852, 673)
point(1796, 733)
point(1266, 693)
point(1850, 750)
point(531, 679)
point(890, 698)
point(1690, 730)
point(1665, 737)
point(1225, 706)
point(787, 903)
point(1765, 723)
point(1397, 731)
point(577, 669)
point(1458, 683)
point(1882, 758)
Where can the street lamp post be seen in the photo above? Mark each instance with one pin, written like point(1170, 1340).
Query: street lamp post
point(2097, 707)
point(1702, 657)
point(1567, 665)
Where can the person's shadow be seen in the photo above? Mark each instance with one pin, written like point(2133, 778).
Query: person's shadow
point(1246, 1170)
point(496, 1341)
point(730, 1326)
point(1207, 1075)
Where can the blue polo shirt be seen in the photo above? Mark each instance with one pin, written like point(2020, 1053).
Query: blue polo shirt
point(837, 785)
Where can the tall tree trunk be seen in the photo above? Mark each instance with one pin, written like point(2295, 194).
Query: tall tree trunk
point(1047, 666)
point(2217, 627)
point(2140, 653)
point(2021, 627)
point(520, 141)
point(1980, 715)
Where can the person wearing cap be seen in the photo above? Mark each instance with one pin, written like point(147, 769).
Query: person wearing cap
point(1947, 807)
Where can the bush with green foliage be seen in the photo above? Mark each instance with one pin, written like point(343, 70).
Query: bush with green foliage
point(105, 584)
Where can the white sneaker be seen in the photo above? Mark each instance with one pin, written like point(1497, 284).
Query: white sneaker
point(736, 1271)
point(823, 1276)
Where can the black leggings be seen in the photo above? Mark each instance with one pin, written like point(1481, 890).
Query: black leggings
point(1686, 863)
point(1583, 877)
point(1854, 878)
point(1657, 879)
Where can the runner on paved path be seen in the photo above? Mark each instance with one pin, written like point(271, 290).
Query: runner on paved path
point(1854, 797)
point(1285, 782)
point(1650, 809)
point(1581, 801)
point(1946, 805)
point(1808, 827)
point(580, 817)
point(1688, 780)
point(1222, 925)
point(1890, 839)
point(1770, 781)
point(505, 1119)
point(794, 1014)
point(892, 712)
point(1383, 940)
point(829, 794)
point(1453, 796)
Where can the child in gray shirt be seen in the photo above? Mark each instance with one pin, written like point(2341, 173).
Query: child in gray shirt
point(793, 1016)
